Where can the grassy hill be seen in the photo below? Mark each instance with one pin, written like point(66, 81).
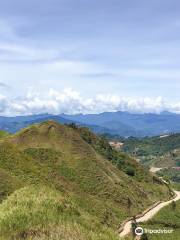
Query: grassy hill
point(64, 182)
point(3, 134)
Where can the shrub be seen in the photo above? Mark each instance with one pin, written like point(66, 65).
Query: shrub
point(130, 171)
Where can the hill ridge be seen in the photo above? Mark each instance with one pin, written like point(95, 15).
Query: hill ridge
point(82, 167)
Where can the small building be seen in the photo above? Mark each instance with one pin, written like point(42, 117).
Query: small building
point(116, 145)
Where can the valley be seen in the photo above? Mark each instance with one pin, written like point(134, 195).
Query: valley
point(160, 154)
point(89, 120)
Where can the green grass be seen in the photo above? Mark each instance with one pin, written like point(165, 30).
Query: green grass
point(171, 174)
point(37, 212)
point(74, 166)
point(167, 218)
point(176, 186)
point(3, 134)
point(8, 184)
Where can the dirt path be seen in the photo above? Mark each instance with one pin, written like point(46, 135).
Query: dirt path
point(154, 169)
point(148, 215)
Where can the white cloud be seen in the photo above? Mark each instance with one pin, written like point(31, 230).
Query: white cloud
point(3, 103)
point(71, 102)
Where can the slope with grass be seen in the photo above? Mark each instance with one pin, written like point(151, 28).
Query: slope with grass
point(160, 151)
point(3, 134)
point(169, 219)
point(148, 214)
point(157, 152)
point(36, 212)
point(63, 181)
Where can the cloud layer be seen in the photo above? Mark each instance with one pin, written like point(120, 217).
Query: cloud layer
point(72, 102)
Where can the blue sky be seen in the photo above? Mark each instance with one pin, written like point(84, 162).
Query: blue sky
point(123, 49)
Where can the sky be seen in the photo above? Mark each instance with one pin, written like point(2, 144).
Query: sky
point(89, 56)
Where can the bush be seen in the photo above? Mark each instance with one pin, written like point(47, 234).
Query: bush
point(130, 171)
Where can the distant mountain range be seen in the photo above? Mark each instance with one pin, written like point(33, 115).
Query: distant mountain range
point(115, 123)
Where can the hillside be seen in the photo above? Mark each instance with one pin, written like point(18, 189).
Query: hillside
point(64, 182)
point(168, 218)
point(165, 225)
point(3, 134)
point(160, 152)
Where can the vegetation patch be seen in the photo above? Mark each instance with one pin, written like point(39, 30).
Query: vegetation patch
point(56, 177)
